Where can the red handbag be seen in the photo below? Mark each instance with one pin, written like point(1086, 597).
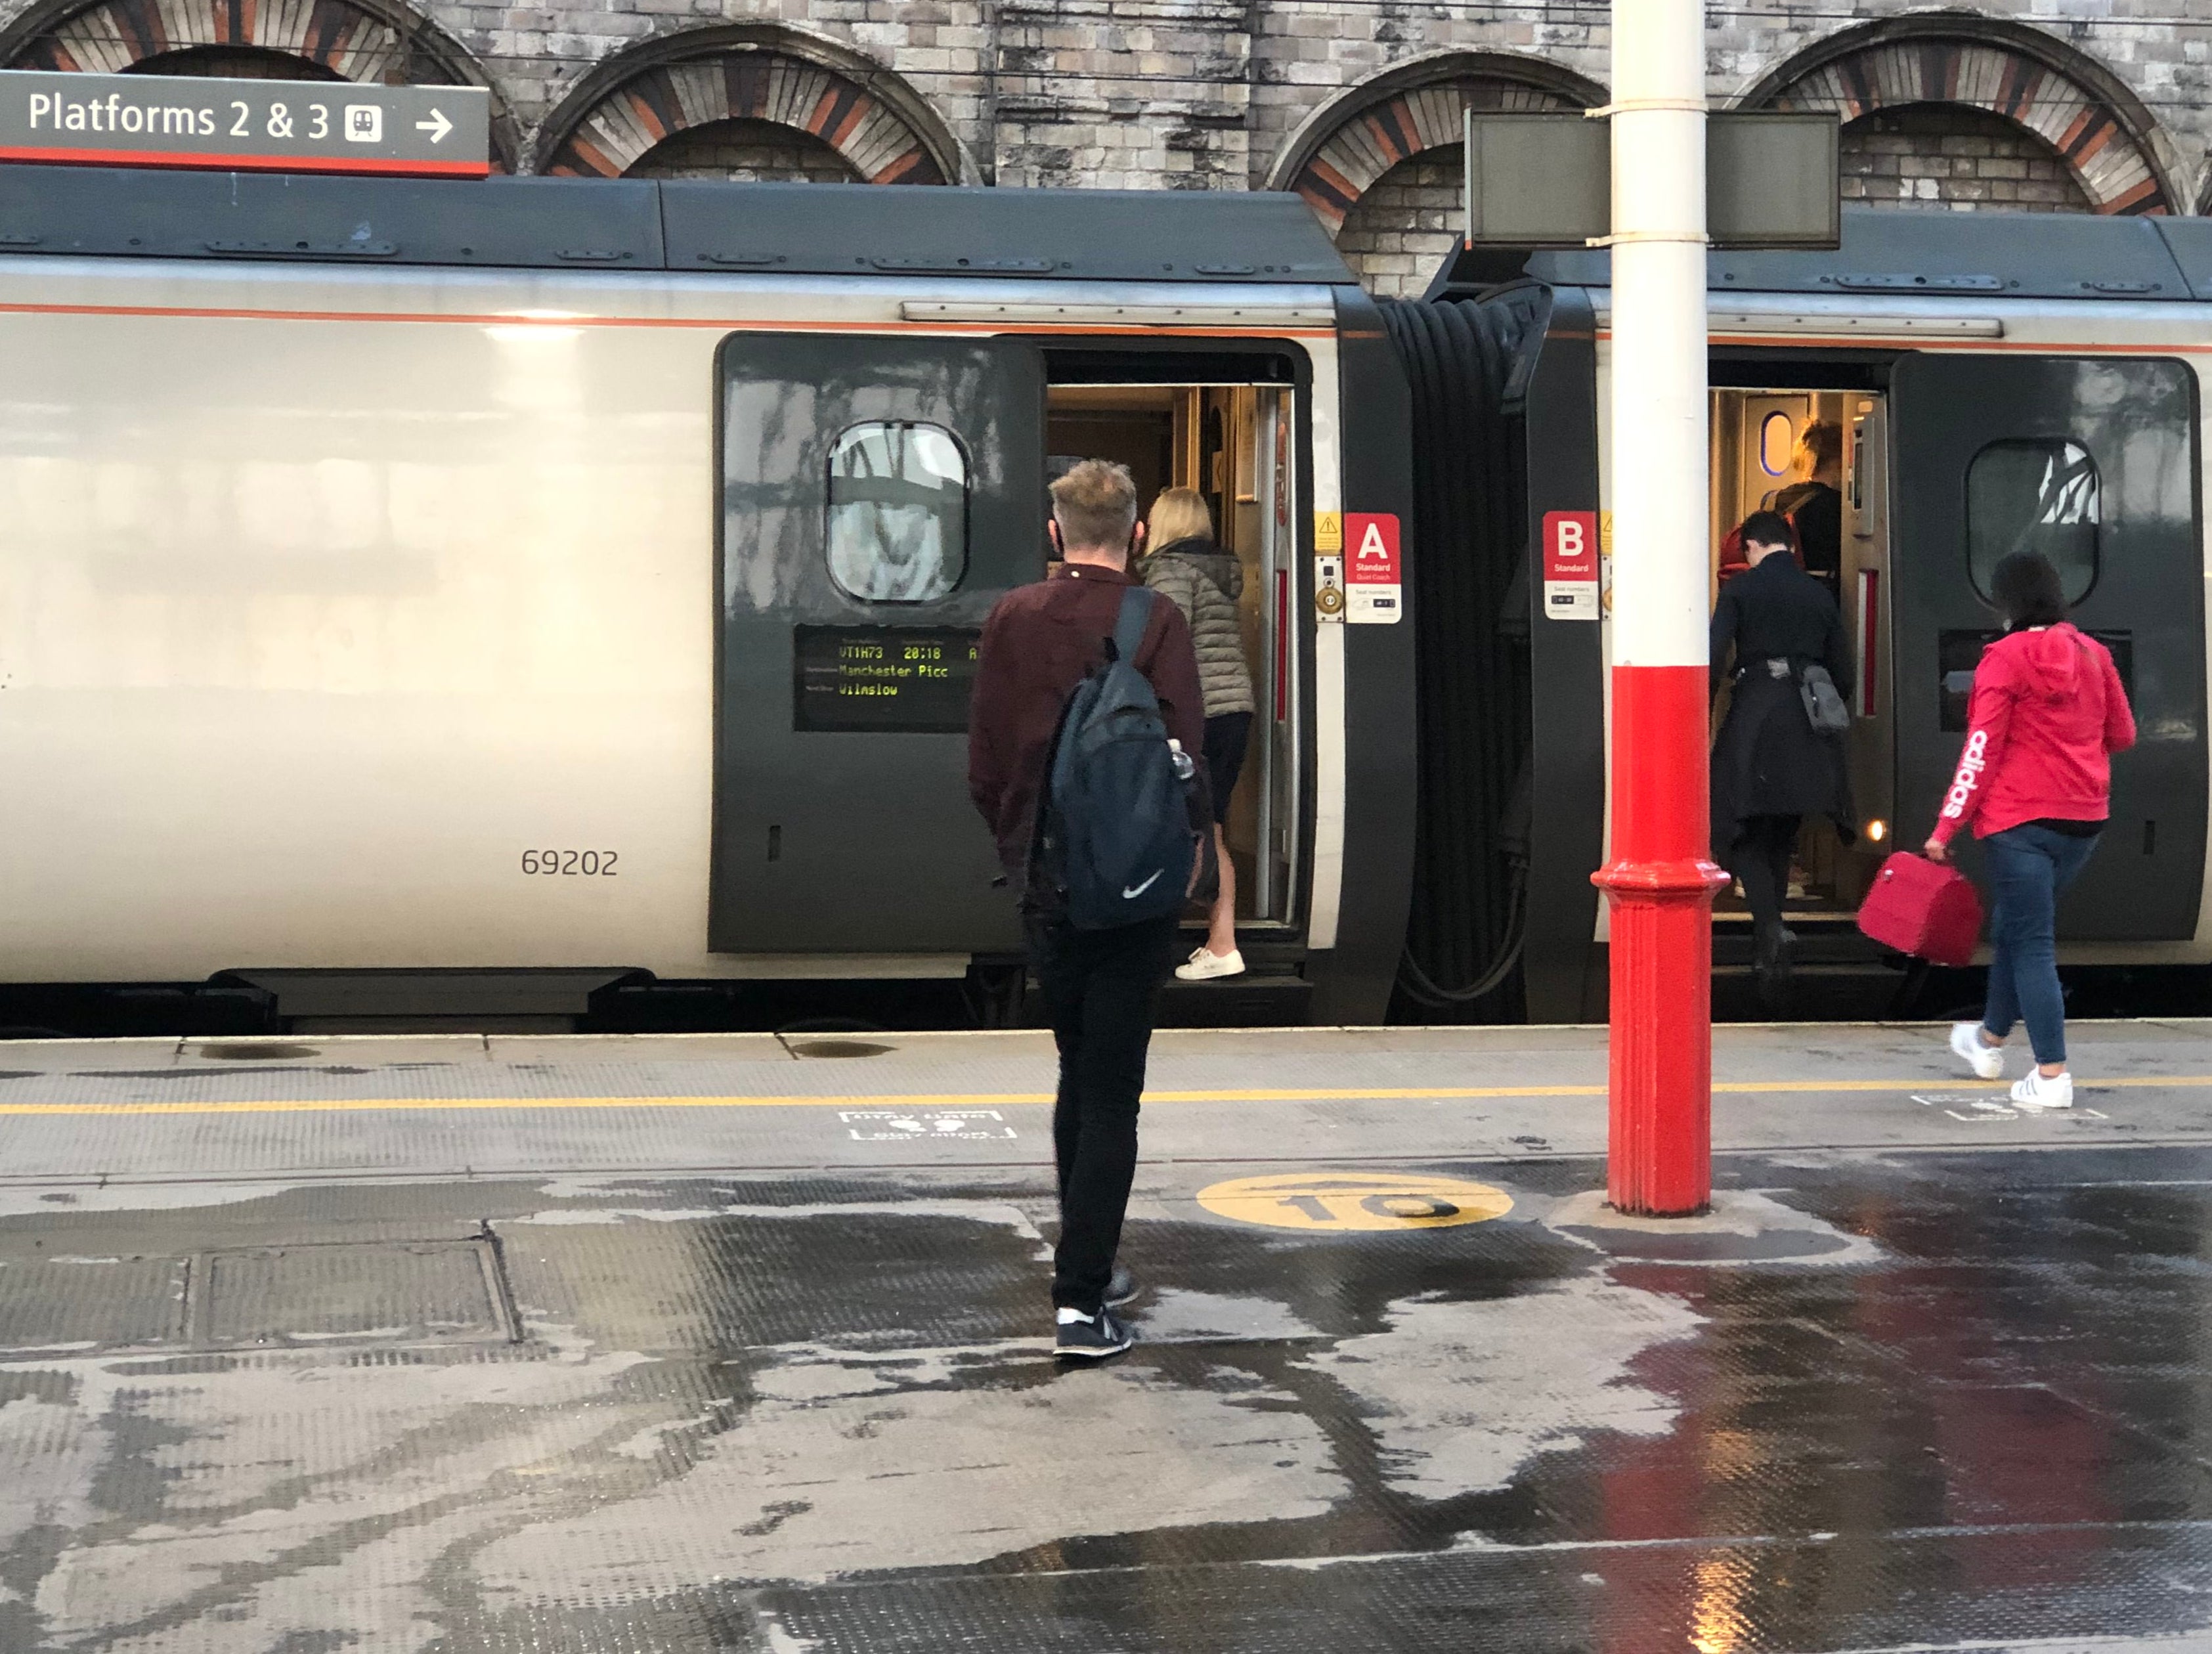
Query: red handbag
point(1925, 908)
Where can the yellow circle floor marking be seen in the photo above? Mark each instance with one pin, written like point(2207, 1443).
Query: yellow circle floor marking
point(1355, 1200)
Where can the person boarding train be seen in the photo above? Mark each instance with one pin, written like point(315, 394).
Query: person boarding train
point(1775, 630)
point(1099, 986)
point(2035, 783)
point(1206, 581)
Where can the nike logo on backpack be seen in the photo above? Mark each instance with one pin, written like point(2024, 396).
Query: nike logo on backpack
point(1132, 894)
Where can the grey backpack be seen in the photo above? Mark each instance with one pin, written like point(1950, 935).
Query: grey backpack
point(1824, 706)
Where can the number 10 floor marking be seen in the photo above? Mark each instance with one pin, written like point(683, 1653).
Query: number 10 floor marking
point(1348, 1200)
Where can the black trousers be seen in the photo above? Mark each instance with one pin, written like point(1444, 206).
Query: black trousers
point(1099, 989)
point(1760, 858)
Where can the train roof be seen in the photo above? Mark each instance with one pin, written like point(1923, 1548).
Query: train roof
point(2016, 255)
point(549, 223)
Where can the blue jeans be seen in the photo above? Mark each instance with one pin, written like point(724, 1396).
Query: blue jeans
point(2030, 868)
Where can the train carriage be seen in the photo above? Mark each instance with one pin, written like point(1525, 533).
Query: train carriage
point(532, 585)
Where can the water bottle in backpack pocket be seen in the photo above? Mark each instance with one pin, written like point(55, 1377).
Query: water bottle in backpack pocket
point(1117, 834)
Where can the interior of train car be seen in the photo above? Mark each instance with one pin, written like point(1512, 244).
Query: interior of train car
point(1816, 456)
point(1232, 443)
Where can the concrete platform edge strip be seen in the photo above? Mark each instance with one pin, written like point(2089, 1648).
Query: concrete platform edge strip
point(995, 1099)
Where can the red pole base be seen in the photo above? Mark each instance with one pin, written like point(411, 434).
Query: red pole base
point(1661, 885)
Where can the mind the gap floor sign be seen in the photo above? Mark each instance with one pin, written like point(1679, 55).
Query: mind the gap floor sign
point(175, 120)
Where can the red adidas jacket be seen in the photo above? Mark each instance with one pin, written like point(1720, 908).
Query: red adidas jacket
point(2047, 713)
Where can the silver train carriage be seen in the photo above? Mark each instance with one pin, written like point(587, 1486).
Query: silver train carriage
point(550, 582)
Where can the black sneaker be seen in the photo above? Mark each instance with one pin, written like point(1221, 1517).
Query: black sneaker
point(1121, 1288)
point(1092, 1340)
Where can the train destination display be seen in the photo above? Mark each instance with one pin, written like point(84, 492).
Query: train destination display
point(897, 679)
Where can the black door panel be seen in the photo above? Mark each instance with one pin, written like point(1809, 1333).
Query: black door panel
point(879, 494)
point(2092, 462)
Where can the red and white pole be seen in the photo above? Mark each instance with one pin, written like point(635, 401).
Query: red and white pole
point(1659, 876)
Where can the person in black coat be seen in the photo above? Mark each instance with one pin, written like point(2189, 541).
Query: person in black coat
point(1771, 768)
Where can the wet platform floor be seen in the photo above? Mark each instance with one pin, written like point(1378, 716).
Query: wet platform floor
point(701, 1346)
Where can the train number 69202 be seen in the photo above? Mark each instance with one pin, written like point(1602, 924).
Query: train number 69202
point(571, 863)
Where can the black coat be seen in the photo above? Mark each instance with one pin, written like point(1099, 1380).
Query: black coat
point(1768, 760)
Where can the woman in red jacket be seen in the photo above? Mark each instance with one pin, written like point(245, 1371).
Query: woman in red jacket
point(2034, 783)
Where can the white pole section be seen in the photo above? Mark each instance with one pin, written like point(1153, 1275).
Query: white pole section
point(1659, 874)
point(1659, 460)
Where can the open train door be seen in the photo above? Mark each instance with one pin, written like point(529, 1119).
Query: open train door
point(879, 494)
point(2090, 461)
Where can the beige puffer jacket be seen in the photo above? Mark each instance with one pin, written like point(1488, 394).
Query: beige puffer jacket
point(1205, 581)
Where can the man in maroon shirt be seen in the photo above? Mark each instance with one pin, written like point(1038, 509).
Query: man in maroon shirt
point(1098, 986)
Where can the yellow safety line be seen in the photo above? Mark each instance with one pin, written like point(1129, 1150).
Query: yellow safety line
point(1018, 1099)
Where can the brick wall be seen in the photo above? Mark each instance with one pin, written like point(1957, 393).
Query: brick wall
point(745, 151)
point(1399, 235)
point(1214, 94)
point(1947, 158)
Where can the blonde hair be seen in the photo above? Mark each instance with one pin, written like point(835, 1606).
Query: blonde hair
point(1180, 514)
point(1823, 442)
point(1096, 506)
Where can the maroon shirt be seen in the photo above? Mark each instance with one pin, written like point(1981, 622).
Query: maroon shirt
point(1038, 645)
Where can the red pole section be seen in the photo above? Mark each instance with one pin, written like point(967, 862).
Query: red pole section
point(1659, 877)
point(1660, 883)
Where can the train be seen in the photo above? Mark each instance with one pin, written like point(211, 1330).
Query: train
point(418, 590)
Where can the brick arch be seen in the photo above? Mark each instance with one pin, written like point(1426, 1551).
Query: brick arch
point(2107, 139)
point(360, 40)
point(1346, 146)
point(880, 129)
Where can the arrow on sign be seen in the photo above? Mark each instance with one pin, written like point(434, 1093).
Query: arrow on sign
point(437, 126)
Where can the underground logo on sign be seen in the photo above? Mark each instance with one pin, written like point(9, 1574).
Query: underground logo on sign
point(1355, 1200)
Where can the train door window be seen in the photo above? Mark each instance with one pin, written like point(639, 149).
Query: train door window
point(878, 494)
point(2039, 495)
point(1232, 444)
point(897, 525)
point(2092, 462)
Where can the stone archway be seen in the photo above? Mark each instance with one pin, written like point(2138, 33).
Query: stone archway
point(1380, 165)
point(361, 41)
point(1346, 146)
point(2107, 138)
point(733, 88)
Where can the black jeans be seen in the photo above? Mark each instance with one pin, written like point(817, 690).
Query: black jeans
point(1099, 988)
point(1760, 858)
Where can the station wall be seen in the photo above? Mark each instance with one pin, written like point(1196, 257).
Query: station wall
point(1354, 103)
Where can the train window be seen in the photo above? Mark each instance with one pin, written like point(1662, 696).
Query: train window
point(2033, 496)
point(897, 512)
point(1778, 443)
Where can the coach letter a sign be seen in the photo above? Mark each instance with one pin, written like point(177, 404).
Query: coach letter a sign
point(1374, 595)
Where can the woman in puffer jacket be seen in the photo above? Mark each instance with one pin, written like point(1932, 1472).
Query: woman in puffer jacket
point(1205, 581)
point(2034, 783)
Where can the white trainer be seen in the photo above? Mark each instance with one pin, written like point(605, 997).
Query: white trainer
point(1204, 965)
point(1987, 1061)
point(2037, 1092)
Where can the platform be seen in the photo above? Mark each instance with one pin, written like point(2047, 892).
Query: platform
point(681, 1345)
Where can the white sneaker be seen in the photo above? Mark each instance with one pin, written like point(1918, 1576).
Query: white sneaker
point(2037, 1092)
point(1987, 1061)
point(1204, 965)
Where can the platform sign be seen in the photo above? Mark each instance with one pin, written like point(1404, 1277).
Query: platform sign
point(1374, 593)
point(175, 120)
point(1544, 178)
point(1570, 566)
